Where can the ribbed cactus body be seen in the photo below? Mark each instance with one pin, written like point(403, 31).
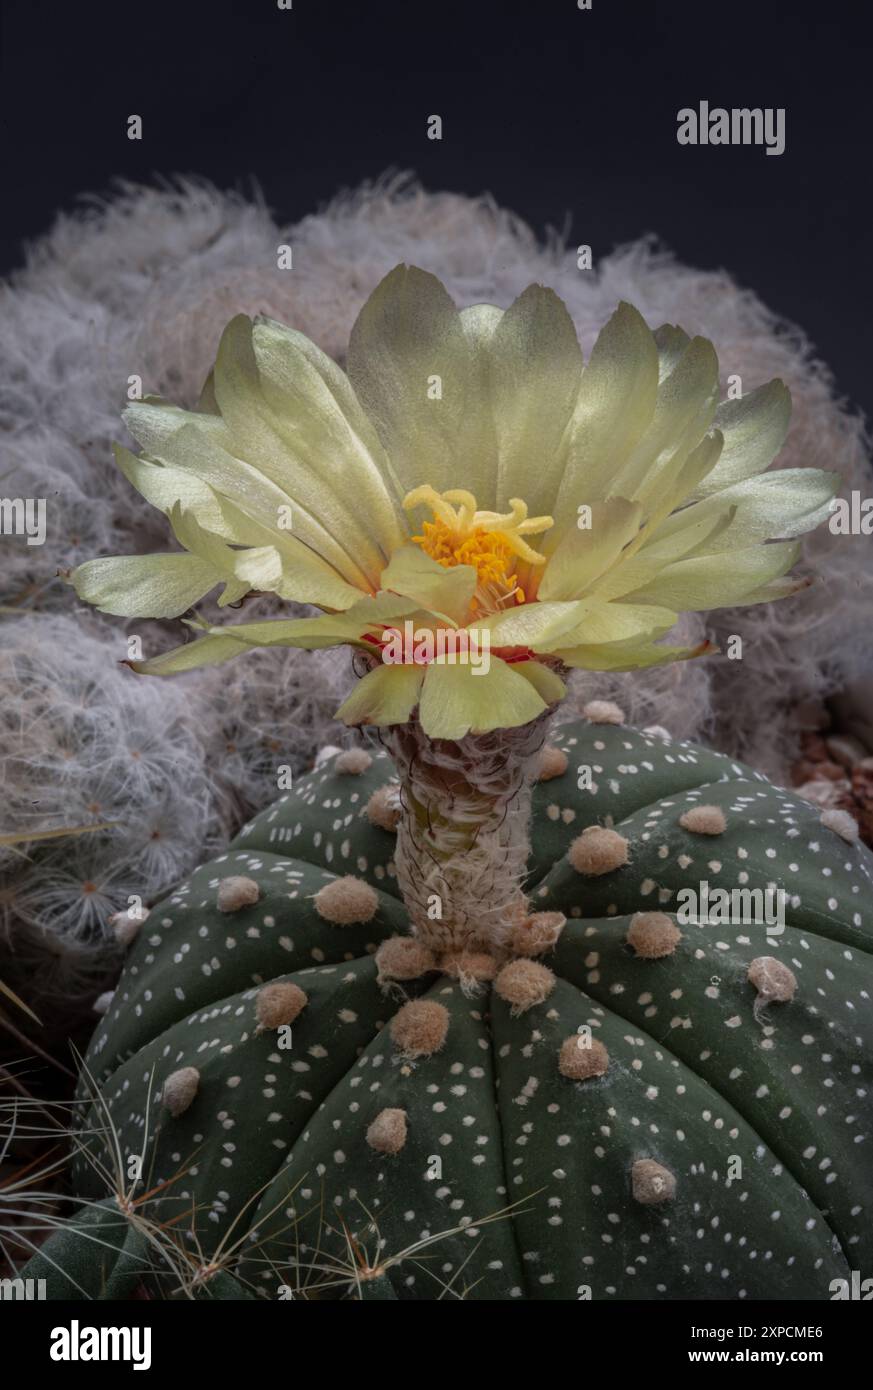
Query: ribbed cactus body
point(638, 1112)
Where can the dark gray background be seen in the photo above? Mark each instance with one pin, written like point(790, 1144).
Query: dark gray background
point(568, 117)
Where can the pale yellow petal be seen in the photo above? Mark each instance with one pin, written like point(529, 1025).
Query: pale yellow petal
point(212, 550)
point(385, 695)
point(718, 581)
point(754, 430)
point(144, 586)
point(669, 487)
point(585, 553)
point(164, 487)
point(313, 402)
point(672, 342)
point(615, 404)
point(210, 650)
point(287, 455)
point(612, 622)
point(672, 486)
point(772, 506)
point(546, 683)
point(409, 363)
point(477, 436)
point(260, 568)
point(303, 575)
point(456, 701)
point(204, 446)
point(531, 624)
point(684, 411)
point(630, 656)
point(206, 403)
point(370, 615)
point(443, 591)
point(534, 366)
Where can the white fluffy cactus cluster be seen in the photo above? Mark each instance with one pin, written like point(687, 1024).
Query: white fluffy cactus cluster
point(131, 769)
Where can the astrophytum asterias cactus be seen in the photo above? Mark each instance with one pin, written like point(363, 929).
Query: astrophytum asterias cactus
point(433, 1025)
point(622, 1102)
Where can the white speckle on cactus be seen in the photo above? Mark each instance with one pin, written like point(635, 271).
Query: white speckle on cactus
point(383, 808)
point(404, 958)
point(352, 762)
point(524, 983)
point(704, 820)
point(179, 1090)
point(346, 900)
point(842, 823)
point(420, 1027)
point(279, 1004)
point(581, 1059)
point(652, 1183)
point(653, 934)
point(237, 892)
point(387, 1133)
point(598, 850)
point(553, 763)
point(604, 712)
point(103, 1002)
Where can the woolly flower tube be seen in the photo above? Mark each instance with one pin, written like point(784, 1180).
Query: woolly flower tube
point(477, 511)
point(462, 838)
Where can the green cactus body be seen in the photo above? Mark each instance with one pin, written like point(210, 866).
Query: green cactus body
point(721, 1150)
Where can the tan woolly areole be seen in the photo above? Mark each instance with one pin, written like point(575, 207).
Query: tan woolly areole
point(346, 900)
point(523, 983)
point(553, 763)
point(842, 823)
point(476, 966)
point(353, 761)
point(420, 1027)
point(179, 1090)
point(658, 731)
point(773, 980)
point(653, 934)
point(383, 808)
point(404, 958)
point(387, 1133)
point(704, 820)
point(237, 892)
point(579, 1062)
point(651, 1183)
point(536, 934)
point(278, 1004)
point(604, 712)
point(126, 926)
point(598, 851)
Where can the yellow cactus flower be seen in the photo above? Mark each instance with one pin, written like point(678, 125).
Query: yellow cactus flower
point(470, 505)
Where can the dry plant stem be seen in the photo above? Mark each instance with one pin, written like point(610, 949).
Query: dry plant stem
point(463, 836)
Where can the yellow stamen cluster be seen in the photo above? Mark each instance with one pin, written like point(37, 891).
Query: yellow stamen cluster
point(487, 552)
point(488, 541)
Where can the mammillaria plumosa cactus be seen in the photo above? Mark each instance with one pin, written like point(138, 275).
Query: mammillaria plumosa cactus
point(448, 1025)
